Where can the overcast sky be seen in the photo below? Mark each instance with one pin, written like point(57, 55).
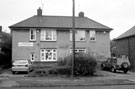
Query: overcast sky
point(117, 14)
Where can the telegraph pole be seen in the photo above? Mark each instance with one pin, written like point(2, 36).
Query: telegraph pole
point(73, 37)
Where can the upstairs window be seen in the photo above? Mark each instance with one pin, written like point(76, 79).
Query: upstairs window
point(48, 35)
point(92, 35)
point(32, 34)
point(79, 35)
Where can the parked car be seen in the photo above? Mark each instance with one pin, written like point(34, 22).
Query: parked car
point(114, 64)
point(21, 65)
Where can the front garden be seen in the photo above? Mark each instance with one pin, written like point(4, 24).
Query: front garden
point(84, 65)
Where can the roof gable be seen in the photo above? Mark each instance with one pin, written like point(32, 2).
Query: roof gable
point(59, 22)
point(128, 33)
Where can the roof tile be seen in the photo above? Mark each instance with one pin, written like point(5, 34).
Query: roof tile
point(128, 33)
point(59, 22)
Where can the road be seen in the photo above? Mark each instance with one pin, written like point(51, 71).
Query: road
point(9, 80)
point(83, 87)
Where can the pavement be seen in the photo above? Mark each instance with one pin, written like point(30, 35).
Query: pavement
point(103, 78)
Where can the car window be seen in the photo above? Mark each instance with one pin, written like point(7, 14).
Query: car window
point(111, 60)
point(21, 61)
point(115, 60)
point(108, 60)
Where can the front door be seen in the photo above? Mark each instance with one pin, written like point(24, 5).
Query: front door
point(32, 56)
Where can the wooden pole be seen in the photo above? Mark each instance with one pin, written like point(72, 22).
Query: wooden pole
point(73, 37)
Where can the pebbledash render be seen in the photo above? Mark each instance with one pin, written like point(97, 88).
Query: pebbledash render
point(49, 38)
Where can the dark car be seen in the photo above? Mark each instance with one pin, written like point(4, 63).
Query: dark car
point(114, 64)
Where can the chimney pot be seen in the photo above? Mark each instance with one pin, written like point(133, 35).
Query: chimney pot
point(81, 14)
point(39, 12)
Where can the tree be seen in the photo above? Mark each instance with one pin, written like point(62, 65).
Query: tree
point(6, 47)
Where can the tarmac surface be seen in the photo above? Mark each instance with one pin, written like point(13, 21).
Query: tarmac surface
point(103, 78)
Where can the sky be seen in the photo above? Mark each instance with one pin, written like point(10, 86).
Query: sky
point(116, 14)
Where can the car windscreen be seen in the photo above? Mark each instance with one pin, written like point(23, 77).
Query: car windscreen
point(20, 62)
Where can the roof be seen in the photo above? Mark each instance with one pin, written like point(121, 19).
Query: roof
point(128, 33)
point(59, 22)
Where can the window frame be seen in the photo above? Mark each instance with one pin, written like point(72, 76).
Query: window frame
point(78, 50)
point(44, 51)
point(91, 37)
point(43, 34)
point(34, 33)
point(75, 35)
point(32, 57)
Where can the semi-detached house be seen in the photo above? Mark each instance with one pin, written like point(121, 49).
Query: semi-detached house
point(48, 38)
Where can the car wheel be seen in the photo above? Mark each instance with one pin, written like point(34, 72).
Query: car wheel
point(125, 71)
point(102, 66)
point(113, 70)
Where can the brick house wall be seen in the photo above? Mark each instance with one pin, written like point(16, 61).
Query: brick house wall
point(126, 46)
point(100, 47)
point(103, 45)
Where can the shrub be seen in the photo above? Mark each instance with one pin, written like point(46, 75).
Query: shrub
point(84, 64)
point(66, 61)
point(58, 70)
point(36, 73)
point(64, 70)
point(41, 69)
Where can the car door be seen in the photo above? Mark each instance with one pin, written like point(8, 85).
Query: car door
point(108, 63)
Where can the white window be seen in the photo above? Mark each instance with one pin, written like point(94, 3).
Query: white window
point(78, 50)
point(32, 34)
point(32, 56)
point(79, 35)
point(92, 35)
point(48, 54)
point(48, 35)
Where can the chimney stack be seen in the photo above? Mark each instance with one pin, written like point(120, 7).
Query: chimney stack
point(81, 14)
point(39, 12)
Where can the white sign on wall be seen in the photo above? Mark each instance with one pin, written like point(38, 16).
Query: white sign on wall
point(26, 44)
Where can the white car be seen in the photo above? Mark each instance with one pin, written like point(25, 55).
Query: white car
point(21, 65)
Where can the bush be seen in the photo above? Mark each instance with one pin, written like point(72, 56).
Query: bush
point(84, 64)
point(5, 61)
point(58, 70)
point(37, 73)
point(64, 70)
point(40, 69)
point(66, 61)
